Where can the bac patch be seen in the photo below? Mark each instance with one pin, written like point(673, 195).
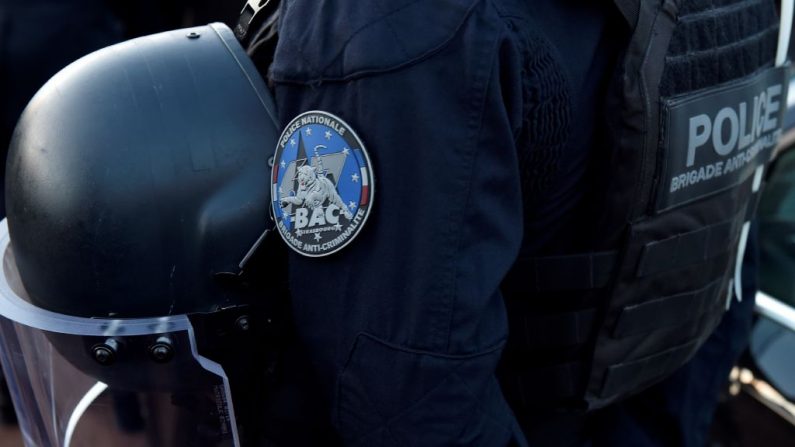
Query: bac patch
point(322, 184)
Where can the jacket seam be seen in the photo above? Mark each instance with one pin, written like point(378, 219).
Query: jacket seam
point(361, 29)
point(366, 72)
point(484, 76)
point(408, 350)
point(452, 372)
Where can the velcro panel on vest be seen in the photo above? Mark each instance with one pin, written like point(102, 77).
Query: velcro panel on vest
point(719, 41)
point(666, 312)
point(695, 246)
point(691, 247)
point(635, 373)
point(670, 294)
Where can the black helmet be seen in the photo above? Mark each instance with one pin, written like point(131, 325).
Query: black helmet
point(139, 173)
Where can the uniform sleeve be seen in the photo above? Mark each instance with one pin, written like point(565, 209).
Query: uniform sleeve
point(406, 324)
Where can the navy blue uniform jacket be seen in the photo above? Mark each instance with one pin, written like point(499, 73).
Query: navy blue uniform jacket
point(477, 116)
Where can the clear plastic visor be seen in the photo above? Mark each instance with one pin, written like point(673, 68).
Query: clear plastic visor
point(101, 382)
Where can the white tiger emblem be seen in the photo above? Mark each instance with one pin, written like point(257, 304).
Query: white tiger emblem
point(314, 190)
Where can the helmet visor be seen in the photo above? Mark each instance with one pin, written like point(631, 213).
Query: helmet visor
point(86, 382)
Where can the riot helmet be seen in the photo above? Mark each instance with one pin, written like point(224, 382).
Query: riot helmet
point(137, 193)
point(139, 171)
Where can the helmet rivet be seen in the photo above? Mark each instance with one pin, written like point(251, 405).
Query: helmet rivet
point(193, 35)
point(242, 323)
point(162, 350)
point(105, 353)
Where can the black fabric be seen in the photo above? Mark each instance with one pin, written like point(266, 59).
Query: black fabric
point(696, 6)
point(334, 41)
point(561, 382)
point(631, 375)
point(686, 249)
point(561, 330)
point(717, 41)
point(265, 36)
point(629, 9)
point(405, 325)
point(546, 118)
point(679, 410)
point(569, 272)
point(564, 77)
point(666, 312)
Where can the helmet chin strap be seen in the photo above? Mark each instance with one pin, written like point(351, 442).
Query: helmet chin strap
point(239, 275)
point(253, 249)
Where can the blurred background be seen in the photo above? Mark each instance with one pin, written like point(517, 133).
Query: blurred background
point(39, 37)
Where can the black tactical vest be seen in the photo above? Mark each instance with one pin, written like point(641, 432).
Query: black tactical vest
point(696, 110)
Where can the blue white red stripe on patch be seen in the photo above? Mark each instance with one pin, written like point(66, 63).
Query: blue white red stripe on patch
point(323, 184)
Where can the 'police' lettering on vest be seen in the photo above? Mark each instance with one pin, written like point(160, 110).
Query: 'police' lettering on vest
point(714, 140)
point(740, 127)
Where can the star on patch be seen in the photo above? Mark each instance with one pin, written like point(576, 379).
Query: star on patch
point(317, 236)
point(328, 134)
point(283, 164)
point(351, 205)
point(346, 151)
point(292, 142)
point(309, 132)
point(338, 227)
point(355, 178)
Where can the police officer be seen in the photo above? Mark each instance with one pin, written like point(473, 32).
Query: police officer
point(445, 172)
point(582, 173)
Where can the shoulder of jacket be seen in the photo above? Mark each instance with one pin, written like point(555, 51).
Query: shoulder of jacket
point(345, 39)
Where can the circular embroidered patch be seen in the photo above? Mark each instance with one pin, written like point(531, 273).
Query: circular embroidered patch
point(322, 184)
